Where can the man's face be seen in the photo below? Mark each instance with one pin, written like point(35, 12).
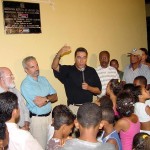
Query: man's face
point(80, 60)
point(135, 59)
point(8, 79)
point(32, 68)
point(104, 60)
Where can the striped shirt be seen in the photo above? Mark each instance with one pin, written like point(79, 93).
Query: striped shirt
point(105, 75)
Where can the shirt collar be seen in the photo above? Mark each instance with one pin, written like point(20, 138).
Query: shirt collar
point(139, 66)
point(32, 79)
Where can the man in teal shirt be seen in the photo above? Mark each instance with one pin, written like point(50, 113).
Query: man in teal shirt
point(39, 94)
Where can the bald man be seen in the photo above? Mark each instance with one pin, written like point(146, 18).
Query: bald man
point(7, 84)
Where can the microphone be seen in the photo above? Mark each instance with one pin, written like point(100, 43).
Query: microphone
point(83, 77)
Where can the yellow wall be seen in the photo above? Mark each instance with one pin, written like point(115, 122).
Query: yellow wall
point(114, 25)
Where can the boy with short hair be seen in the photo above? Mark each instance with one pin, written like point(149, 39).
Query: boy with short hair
point(63, 122)
point(88, 122)
point(18, 139)
point(109, 134)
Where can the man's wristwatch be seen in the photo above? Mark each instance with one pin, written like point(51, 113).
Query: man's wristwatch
point(47, 100)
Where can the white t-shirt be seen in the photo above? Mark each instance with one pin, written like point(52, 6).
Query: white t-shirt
point(21, 139)
point(105, 75)
point(139, 110)
point(147, 102)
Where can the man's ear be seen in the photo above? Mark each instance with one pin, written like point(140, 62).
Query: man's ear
point(101, 125)
point(76, 123)
point(15, 113)
point(26, 70)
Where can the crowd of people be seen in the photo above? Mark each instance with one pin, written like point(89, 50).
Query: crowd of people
point(118, 120)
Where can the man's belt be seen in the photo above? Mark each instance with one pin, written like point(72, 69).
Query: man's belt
point(43, 115)
point(76, 104)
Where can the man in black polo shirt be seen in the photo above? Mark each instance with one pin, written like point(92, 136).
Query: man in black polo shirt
point(81, 82)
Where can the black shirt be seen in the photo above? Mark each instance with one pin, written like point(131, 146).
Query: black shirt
point(72, 78)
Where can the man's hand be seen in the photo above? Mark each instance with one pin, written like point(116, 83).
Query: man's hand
point(94, 90)
point(65, 49)
point(40, 101)
point(26, 126)
point(85, 86)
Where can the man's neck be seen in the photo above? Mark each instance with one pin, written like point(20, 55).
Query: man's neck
point(57, 134)
point(109, 129)
point(88, 135)
point(135, 65)
point(12, 120)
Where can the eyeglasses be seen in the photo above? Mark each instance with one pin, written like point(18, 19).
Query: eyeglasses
point(9, 76)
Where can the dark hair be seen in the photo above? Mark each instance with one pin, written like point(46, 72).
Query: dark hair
point(89, 115)
point(62, 115)
point(146, 53)
point(108, 114)
point(137, 91)
point(80, 49)
point(116, 86)
point(105, 101)
point(8, 102)
point(141, 141)
point(114, 60)
point(142, 80)
point(144, 50)
point(106, 52)
point(125, 104)
point(129, 87)
point(2, 128)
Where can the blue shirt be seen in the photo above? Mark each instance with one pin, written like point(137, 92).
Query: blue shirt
point(113, 135)
point(130, 74)
point(31, 88)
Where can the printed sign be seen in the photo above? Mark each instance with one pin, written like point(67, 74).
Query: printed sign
point(21, 17)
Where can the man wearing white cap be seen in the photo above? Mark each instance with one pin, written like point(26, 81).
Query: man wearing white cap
point(136, 68)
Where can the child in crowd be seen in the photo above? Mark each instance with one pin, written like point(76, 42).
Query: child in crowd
point(109, 134)
point(129, 87)
point(141, 109)
point(141, 141)
point(104, 101)
point(142, 81)
point(114, 63)
point(129, 124)
point(63, 122)
point(88, 122)
point(18, 139)
point(113, 88)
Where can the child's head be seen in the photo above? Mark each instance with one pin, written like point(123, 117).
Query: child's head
point(141, 94)
point(114, 86)
point(63, 119)
point(125, 104)
point(108, 115)
point(129, 87)
point(140, 81)
point(9, 105)
point(114, 63)
point(141, 141)
point(105, 101)
point(89, 115)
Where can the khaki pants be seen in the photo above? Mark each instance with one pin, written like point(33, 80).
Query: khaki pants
point(39, 129)
point(74, 108)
